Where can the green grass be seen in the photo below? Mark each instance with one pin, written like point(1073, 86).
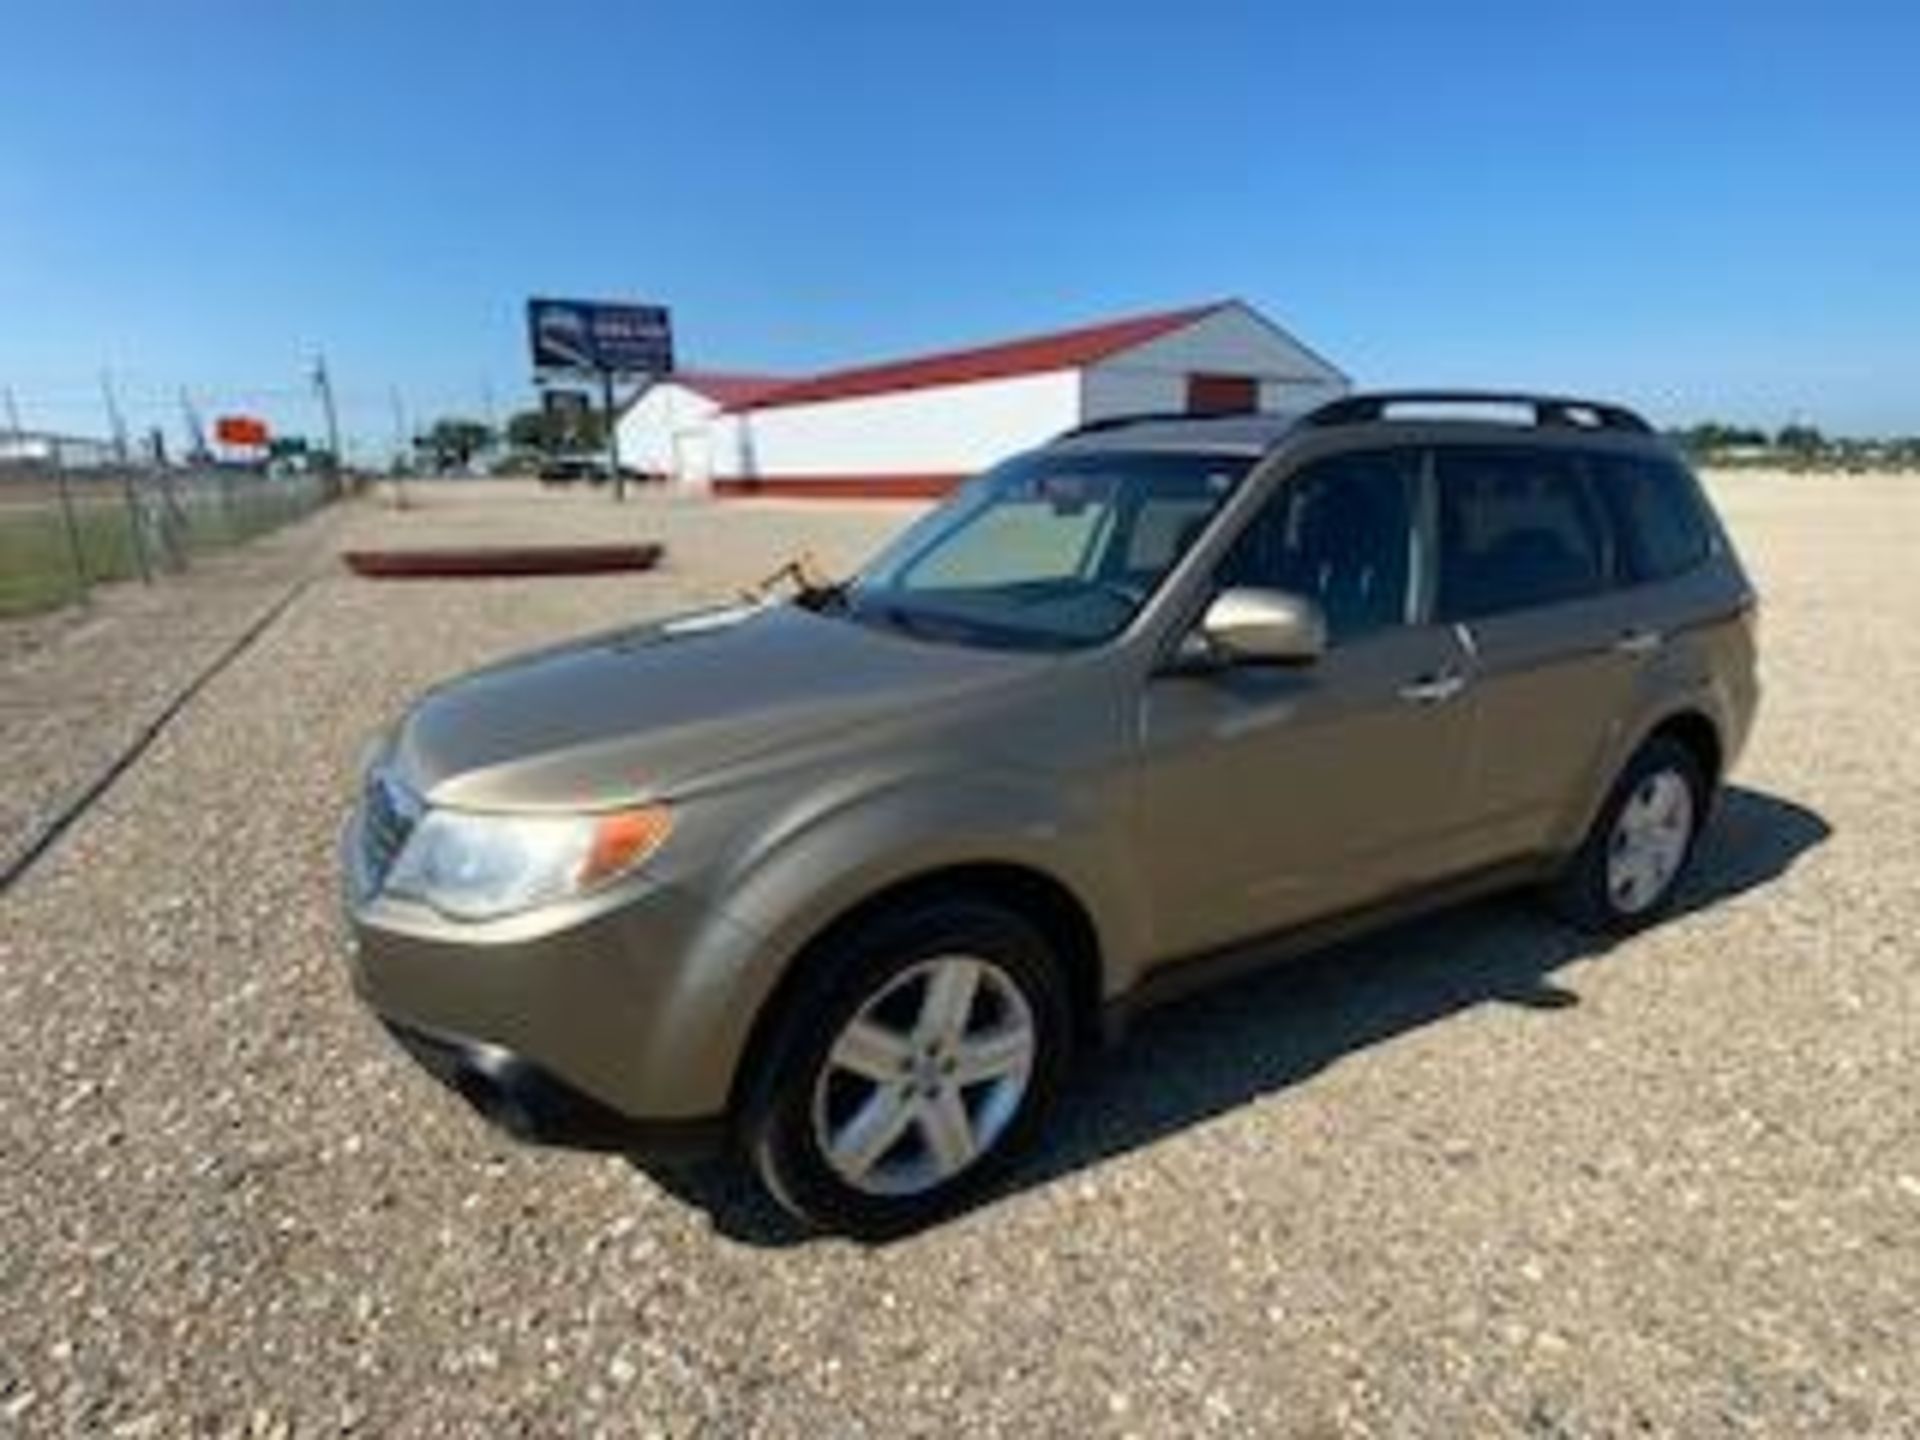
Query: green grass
point(37, 569)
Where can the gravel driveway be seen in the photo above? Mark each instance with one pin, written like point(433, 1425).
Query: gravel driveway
point(1465, 1178)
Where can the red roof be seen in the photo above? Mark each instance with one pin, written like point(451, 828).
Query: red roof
point(729, 388)
point(1036, 354)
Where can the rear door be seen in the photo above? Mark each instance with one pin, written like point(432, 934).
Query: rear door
point(1528, 573)
point(1271, 795)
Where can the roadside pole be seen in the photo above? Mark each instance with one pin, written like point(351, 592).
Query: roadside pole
point(402, 451)
point(613, 435)
point(118, 425)
point(116, 422)
point(134, 527)
point(73, 530)
point(323, 383)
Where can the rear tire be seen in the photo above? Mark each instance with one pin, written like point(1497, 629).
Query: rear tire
point(1627, 870)
point(913, 1065)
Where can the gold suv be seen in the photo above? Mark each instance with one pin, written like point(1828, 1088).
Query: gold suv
point(840, 883)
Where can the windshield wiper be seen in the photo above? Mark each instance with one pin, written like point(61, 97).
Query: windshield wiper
point(813, 588)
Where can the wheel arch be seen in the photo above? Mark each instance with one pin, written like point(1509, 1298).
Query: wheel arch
point(1690, 723)
point(1693, 728)
point(1039, 898)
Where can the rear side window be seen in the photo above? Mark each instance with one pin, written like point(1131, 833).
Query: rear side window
point(1519, 528)
point(1341, 531)
point(1657, 513)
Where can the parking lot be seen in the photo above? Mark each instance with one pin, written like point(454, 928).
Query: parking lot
point(1469, 1177)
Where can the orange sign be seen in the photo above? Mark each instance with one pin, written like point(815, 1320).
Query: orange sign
point(241, 430)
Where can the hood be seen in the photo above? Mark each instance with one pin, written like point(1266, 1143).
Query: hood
point(624, 717)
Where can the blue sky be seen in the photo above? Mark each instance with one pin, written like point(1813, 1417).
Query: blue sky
point(1705, 209)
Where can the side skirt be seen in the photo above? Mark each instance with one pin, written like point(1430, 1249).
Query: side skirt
point(1174, 979)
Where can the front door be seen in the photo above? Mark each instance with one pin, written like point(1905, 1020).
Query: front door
point(1274, 796)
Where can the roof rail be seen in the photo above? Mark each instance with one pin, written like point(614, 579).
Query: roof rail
point(1549, 411)
point(1120, 422)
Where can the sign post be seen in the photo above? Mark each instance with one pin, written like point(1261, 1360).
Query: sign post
point(613, 436)
point(598, 338)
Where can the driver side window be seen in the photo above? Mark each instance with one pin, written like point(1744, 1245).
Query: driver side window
point(1341, 532)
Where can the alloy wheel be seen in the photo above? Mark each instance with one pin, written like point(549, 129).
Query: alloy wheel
point(925, 1077)
point(1649, 841)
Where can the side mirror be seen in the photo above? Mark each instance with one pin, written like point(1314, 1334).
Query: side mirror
point(1262, 627)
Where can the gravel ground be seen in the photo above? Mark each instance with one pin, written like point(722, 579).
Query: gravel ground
point(1465, 1178)
point(78, 685)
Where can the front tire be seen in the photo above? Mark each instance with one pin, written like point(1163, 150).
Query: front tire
point(913, 1066)
point(1625, 873)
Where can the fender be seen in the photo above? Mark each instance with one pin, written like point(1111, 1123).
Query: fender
point(797, 871)
point(1707, 699)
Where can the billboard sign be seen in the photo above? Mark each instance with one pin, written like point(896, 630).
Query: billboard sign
point(596, 336)
point(241, 432)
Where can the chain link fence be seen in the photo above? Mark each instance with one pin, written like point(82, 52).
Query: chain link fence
point(72, 517)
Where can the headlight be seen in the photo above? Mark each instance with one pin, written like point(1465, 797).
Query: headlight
point(477, 867)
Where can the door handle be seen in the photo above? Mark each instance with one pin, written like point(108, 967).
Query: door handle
point(1433, 689)
point(1639, 642)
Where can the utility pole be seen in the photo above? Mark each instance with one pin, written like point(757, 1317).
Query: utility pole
point(115, 421)
point(136, 515)
point(13, 412)
point(196, 435)
point(613, 435)
point(401, 450)
point(323, 384)
point(496, 442)
point(399, 427)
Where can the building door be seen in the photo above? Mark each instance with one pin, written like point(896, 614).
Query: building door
point(692, 459)
point(1222, 394)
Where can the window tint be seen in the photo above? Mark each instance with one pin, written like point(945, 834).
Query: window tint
point(1656, 511)
point(1022, 540)
point(1340, 531)
point(1162, 531)
point(1518, 528)
point(1051, 550)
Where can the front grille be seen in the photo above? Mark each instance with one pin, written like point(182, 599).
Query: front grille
point(388, 814)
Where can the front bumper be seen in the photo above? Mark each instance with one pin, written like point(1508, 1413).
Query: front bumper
point(532, 1104)
point(613, 1015)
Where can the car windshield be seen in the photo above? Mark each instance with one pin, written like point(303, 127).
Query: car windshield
point(1049, 551)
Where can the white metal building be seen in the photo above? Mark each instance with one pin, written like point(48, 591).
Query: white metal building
point(667, 430)
point(919, 426)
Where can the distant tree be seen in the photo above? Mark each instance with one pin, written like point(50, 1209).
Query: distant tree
point(453, 441)
point(1801, 440)
point(551, 432)
point(1712, 436)
point(531, 430)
